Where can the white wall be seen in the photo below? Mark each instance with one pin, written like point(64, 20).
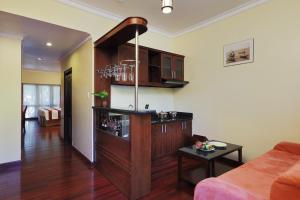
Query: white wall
point(10, 106)
point(158, 98)
point(257, 104)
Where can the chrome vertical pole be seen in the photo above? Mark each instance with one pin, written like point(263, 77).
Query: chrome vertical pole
point(136, 100)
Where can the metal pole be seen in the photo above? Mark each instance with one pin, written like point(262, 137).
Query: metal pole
point(136, 100)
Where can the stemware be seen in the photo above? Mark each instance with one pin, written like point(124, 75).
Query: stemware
point(131, 75)
point(124, 72)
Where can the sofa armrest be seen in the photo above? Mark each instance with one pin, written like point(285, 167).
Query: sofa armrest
point(217, 189)
point(287, 185)
point(290, 147)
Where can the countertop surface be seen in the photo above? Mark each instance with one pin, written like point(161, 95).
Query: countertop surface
point(124, 111)
point(181, 116)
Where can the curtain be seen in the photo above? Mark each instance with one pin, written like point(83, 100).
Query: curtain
point(37, 96)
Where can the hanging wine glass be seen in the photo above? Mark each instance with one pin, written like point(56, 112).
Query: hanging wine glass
point(117, 73)
point(124, 72)
point(131, 75)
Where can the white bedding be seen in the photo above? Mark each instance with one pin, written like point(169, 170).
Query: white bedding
point(44, 112)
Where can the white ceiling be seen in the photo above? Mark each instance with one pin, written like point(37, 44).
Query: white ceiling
point(186, 16)
point(35, 34)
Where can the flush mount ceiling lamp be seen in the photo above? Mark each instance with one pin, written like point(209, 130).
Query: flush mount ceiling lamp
point(49, 44)
point(166, 6)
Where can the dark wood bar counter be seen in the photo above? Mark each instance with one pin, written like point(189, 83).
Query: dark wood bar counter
point(123, 149)
point(127, 141)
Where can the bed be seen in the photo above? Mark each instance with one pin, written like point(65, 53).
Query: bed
point(49, 116)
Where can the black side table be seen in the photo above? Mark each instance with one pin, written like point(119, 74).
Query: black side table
point(208, 157)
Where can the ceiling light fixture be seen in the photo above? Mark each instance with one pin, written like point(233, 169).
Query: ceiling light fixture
point(49, 44)
point(39, 59)
point(166, 6)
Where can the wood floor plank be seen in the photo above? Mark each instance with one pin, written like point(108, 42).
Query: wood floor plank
point(52, 170)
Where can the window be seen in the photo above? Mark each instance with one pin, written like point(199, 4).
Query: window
point(37, 96)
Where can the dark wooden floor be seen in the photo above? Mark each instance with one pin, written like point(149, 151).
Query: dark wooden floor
point(53, 170)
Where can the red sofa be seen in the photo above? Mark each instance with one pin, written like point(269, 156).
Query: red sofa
point(274, 175)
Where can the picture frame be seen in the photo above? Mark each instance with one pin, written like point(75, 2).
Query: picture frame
point(237, 53)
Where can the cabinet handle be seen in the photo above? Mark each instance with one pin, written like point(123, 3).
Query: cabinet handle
point(165, 128)
point(185, 125)
point(181, 125)
point(162, 128)
point(174, 74)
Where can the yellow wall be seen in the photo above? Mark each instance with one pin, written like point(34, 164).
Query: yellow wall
point(60, 14)
point(257, 104)
point(82, 85)
point(41, 77)
point(10, 107)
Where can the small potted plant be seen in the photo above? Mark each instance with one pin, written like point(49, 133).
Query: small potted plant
point(103, 96)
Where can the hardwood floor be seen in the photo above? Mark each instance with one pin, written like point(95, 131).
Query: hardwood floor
point(52, 170)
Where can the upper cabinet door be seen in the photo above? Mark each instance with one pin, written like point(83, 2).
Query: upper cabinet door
point(127, 52)
point(166, 66)
point(178, 67)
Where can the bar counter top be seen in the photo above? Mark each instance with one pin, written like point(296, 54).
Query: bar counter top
point(124, 111)
point(181, 116)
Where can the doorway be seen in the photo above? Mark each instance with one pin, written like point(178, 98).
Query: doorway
point(68, 106)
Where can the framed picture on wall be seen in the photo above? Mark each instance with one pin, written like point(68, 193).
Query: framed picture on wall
point(239, 53)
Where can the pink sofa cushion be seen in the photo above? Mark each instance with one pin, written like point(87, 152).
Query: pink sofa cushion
point(217, 189)
point(287, 185)
point(290, 147)
point(258, 175)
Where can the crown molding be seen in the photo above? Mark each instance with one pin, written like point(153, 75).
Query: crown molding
point(72, 50)
point(11, 36)
point(26, 68)
point(106, 14)
point(92, 9)
point(109, 15)
point(229, 13)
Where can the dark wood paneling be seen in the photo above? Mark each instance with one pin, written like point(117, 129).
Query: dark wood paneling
point(103, 57)
point(113, 144)
point(157, 141)
point(114, 172)
point(126, 163)
point(140, 155)
point(168, 137)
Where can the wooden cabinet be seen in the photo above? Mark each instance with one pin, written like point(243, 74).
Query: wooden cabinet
point(155, 69)
point(186, 129)
point(127, 52)
point(167, 138)
point(172, 67)
point(178, 67)
point(163, 139)
point(166, 66)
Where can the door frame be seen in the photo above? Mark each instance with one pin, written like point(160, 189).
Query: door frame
point(66, 73)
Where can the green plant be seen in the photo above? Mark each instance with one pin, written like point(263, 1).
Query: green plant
point(102, 94)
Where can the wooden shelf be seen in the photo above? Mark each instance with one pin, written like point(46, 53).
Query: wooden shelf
point(123, 32)
point(155, 66)
point(149, 84)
